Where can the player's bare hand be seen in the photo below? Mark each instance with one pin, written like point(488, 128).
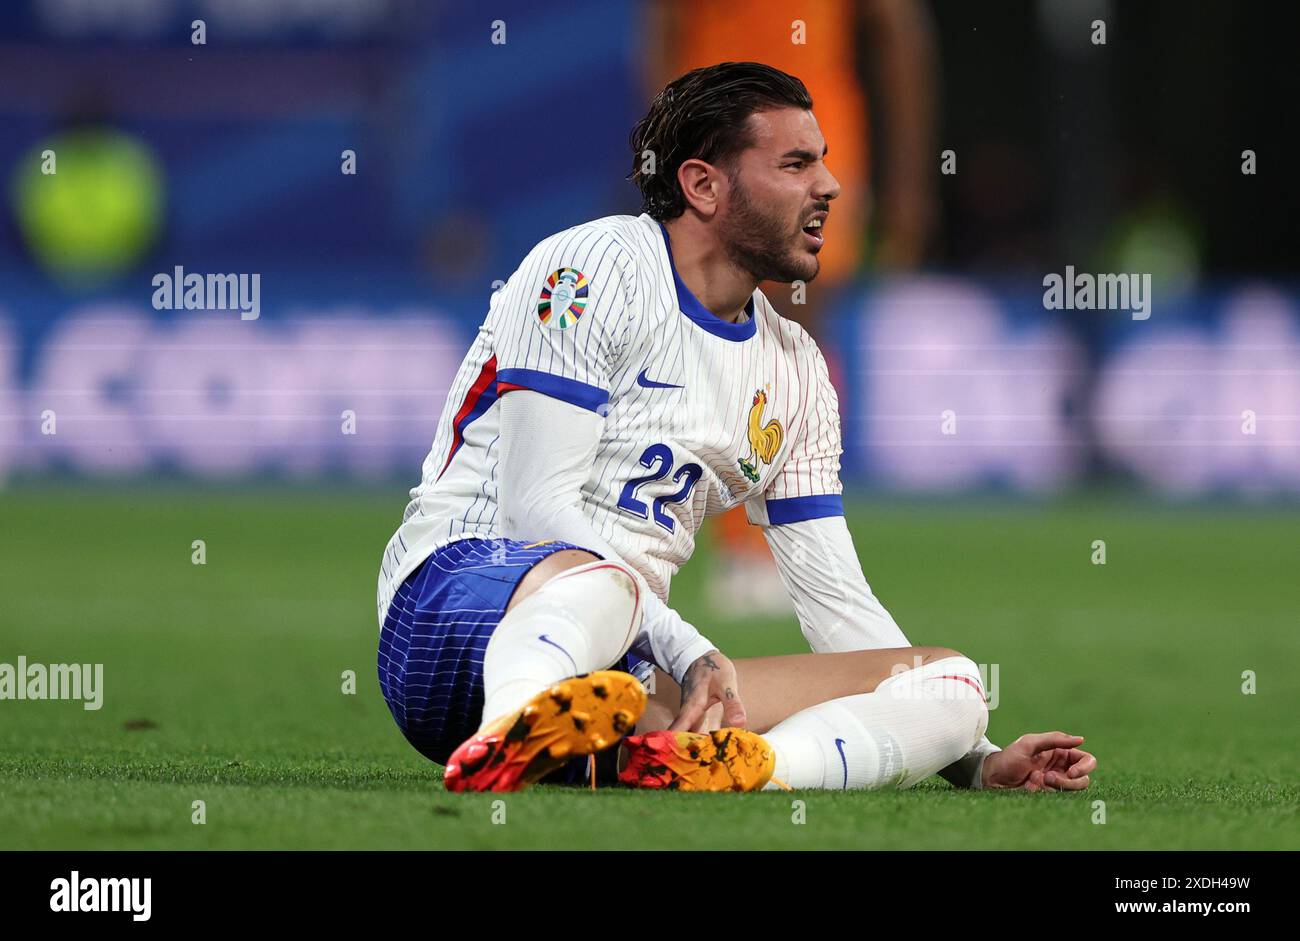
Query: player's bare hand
point(710, 679)
point(1040, 761)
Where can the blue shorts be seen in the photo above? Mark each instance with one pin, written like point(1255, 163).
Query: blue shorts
point(436, 631)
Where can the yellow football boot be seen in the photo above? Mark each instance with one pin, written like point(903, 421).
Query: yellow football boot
point(724, 760)
point(578, 716)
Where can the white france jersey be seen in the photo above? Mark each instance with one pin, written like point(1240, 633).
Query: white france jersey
point(700, 414)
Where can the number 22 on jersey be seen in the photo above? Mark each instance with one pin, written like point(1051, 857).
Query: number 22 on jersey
point(658, 460)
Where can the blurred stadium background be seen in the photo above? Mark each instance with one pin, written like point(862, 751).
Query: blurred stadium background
point(227, 157)
point(126, 432)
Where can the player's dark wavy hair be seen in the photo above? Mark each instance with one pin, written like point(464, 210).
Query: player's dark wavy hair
point(704, 115)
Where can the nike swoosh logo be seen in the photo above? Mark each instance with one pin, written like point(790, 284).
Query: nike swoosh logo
point(546, 640)
point(839, 745)
point(645, 383)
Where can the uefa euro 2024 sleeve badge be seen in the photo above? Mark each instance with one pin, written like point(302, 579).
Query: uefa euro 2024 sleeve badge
point(563, 299)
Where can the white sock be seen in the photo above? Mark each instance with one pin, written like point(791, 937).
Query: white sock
point(581, 620)
point(911, 726)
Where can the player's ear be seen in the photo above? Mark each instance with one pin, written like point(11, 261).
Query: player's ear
point(700, 183)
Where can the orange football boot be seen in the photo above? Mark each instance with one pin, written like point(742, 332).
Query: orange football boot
point(578, 716)
point(723, 760)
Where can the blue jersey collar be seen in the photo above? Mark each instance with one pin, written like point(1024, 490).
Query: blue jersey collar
point(690, 306)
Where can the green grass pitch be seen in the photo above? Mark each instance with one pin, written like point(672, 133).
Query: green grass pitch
point(223, 681)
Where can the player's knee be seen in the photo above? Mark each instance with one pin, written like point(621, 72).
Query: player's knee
point(601, 593)
point(958, 681)
point(931, 654)
point(972, 705)
point(548, 568)
point(949, 677)
point(913, 658)
point(605, 590)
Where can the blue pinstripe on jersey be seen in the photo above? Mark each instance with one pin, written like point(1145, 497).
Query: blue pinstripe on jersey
point(640, 319)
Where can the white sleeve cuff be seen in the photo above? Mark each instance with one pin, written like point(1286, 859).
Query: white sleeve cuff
point(968, 770)
point(673, 643)
point(688, 655)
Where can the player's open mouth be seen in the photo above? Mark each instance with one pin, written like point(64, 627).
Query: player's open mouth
point(813, 231)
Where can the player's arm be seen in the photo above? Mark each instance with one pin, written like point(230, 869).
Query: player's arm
point(802, 513)
point(547, 449)
point(554, 374)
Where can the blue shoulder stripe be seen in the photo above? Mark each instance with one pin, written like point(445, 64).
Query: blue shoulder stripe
point(557, 387)
point(798, 509)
